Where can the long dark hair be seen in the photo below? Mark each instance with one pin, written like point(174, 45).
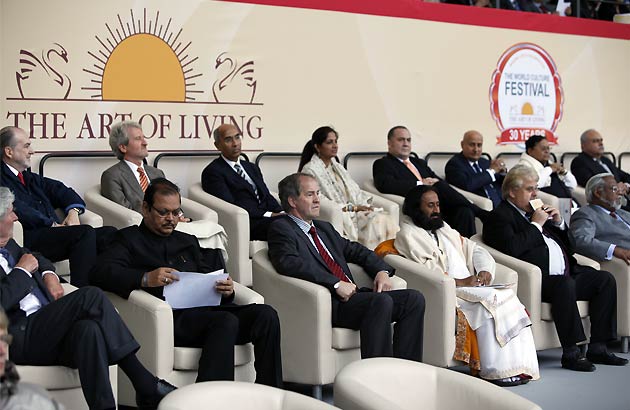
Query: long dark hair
point(318, 138)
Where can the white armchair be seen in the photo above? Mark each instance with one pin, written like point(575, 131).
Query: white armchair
point(621, 272)
point(235, 220)
point(312, 350)
point(62, 382)
point(241, 396)
point(332, 212)
point(439, 294)
point(388, 383)
point(530, 295)
point(151, 322)
point(204, 223)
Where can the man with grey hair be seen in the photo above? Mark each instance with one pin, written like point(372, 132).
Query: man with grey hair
point(311, 250)
point(125, 182)
point(536, 233)
point(592, 161)
point(36, 199)
point(240, 182)
point(602, 229)
point(80, 329)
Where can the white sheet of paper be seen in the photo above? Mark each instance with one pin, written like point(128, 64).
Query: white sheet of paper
point(194, 290)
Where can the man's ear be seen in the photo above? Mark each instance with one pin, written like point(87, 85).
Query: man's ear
point(291, 202)
point(122, 148)
point(145, 208)
point(216, 145)
point(7, 153)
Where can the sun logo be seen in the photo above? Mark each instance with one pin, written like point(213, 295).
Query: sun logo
point(527, 109)
point(142, 61)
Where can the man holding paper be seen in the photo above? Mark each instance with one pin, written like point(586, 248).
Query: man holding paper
point(150, 256)
point(505, 354)
point(526, 229)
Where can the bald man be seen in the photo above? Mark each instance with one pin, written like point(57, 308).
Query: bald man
point(471, 172)
point(240, 182)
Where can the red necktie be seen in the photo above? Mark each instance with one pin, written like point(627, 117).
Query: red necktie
point(21, 178)
point(332, 265)
point(613, 214)
point(144, 181)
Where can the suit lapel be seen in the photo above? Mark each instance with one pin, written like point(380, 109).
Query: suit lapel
point(251, 171)
point(235, 178)
point(130, 180)
point(16, 251)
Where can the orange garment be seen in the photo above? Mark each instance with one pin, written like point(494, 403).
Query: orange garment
point(466, 347)
point(386, 248)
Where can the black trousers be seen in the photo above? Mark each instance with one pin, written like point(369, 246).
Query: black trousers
point(81, 330)
point(78, 243)
point(373, 313)
point(217, 329)
point(585, 283)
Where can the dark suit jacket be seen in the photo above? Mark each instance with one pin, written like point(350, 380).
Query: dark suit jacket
point(391, 176)
point(462, 175)
point(36, 202)
point(584, 167)
point(17, 284)
point(507, 231)
point(293, 254)
point(220, 180)
point(136, 250)
point(119, 184)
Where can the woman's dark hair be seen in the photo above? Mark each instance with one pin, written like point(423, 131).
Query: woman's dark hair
point(318, 138)
point(533, 141)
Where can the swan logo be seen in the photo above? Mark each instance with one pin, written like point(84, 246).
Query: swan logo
point(236, 83)
point(526, 95)
point(41, 74)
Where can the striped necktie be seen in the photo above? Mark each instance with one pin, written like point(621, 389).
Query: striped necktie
point(334, 267)
point(144, 181)
point(241, 173)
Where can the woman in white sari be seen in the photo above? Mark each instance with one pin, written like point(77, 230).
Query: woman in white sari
point(361, 222)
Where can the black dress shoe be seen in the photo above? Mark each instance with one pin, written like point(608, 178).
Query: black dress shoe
point(509, 381)
point(579, 364)
point(151, 402)
point(606, 358)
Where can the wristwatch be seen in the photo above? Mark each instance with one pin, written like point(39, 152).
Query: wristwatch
point(336, 285)
point(79, 210)
point(350, 207)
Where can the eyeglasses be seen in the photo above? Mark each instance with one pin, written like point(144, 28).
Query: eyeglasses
point(163, 213)
point(613, 188)
point(6, 339)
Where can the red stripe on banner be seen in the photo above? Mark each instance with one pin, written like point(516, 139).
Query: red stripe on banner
point(469, 15)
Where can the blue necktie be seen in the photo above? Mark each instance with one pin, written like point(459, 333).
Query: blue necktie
point(486, 188)
point(241, 173)
point(36, 290)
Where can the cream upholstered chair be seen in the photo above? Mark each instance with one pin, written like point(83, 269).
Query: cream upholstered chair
point(440, 317)
point(530, 295)
point(621, 272)
point(238, 396)
point(204, 223)
point(388, 383)
point(151, 322)
point(235, 221)
point(62, 382)
point(332, 212)
point(312, 350)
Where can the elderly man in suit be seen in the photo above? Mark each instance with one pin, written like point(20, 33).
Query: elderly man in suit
point(312, 250)
point(592, 161)
point(601, 230)
point(539, 236)
point(125, 182)
point(240, 182)
point(149, 256)
point(398, 172)
point(80, 329)
point(469, 171)
point(36, 198)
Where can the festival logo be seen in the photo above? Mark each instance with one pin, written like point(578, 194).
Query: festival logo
point(526, 95)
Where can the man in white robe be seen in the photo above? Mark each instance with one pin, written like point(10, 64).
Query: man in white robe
point(500, 322)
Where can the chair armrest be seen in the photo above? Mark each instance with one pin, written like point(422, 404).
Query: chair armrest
point(549, 199)
point(113, 213)
point(389, 206)
point(150, 320)
point(197, 211)
point(439, 318)
point(235, 221)
point(586, 261)
point(68, 288)
point(529, 279)
point(363, 280)
point(331, 212)
point(621, 272)
point(579, 193)
point(481, 202)
point(304, 309)
point(90, 218)
point(245, 296)
point(503, 274)
point(369, 186)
